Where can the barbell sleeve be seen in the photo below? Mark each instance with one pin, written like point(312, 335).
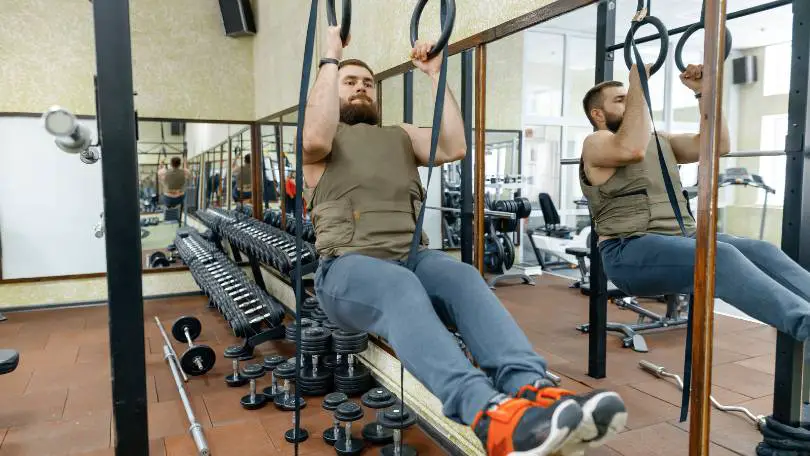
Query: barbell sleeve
point(195, 428)
point(169, 344)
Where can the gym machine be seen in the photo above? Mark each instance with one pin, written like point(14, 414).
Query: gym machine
point(740, 176)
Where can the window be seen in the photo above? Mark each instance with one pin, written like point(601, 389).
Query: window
point(543, 73)
point(776, 68)
point(772, 169)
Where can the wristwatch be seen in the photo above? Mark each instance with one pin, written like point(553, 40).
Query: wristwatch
point(327, 60)
point(698, 95)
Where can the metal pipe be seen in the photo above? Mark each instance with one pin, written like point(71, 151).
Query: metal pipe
point(169, 344)
point(734, 15)
point(509, 215)
point(706, 248)
point(257, 172)
point(480, 142)
point(661, 372)
point(195, 428)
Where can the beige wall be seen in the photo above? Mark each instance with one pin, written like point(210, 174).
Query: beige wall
point(183, 64)
point(279, 44)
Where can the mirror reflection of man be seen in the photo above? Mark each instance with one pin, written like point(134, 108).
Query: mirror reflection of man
point(243, 178)
point(173, 181)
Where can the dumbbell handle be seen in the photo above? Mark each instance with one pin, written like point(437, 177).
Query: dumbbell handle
point(348, 435)
point(397, 442)
point(169, 344)
point(188, 337)
point(195, 429)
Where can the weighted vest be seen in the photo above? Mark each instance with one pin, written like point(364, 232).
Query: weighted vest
point(244, 178)
point(175, 179)
point(634, 201)
point(369, 196)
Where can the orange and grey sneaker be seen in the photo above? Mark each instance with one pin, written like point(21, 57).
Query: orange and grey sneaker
point(515, 426)
point(603, 412)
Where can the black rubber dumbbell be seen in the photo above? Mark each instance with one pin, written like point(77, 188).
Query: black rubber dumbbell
point(398, 418)
point(270, 364)
point(349, 412)
point(198, 359)
point(235, 379)
point(331, 402)
point(253, 400)
point(285, 399)
point(377, 399)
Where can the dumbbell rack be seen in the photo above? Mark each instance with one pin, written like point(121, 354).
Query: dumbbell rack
point(260, 241)
point(253, 314)
point(500, 251)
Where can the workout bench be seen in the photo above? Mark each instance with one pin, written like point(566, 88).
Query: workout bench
point(676, 314)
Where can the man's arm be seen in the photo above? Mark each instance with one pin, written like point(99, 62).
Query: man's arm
point(323, 105)
point(686, 147)
point(604, 149)
point(452, 143)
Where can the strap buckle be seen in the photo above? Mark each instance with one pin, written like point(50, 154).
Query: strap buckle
point(640, 15)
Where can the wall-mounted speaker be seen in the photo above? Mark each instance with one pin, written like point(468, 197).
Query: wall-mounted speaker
point(744, 69)
point(237, 17)
point(178, 128)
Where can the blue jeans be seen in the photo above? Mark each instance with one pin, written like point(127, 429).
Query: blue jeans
point(754, 276)
point(410, 310)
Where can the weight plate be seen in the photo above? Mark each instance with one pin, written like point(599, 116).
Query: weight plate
point(375, 433)
point(349, 411)
point(253, 371)
point(397, 417)
point(332, 400)
point(378, 398)
point(331, 435)
point(351, 448)
point(330, 361)
point(359, 371)
point(308, 373)
point(285, 371)
point(193, 325)
point(272, 361)
point(404, 450)
point(198, 360)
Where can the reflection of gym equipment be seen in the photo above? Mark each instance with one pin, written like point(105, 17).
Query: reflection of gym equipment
point(71, 136)
point(553, 240)
point(740, 176)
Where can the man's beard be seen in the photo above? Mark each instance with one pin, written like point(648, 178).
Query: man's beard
point(613, 123)
point(351, 113)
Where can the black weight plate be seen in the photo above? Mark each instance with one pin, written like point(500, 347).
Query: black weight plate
point(330, 325)
point(349, 411)
point(349, 336)
point(330, 436)
point(376, 434)
point(350, 347)
point(405, 450)
point(285, 371)
point(270, 362)
point(342, 372)
point(378, 398)
point(193, 325)
point(330, 361)
point(289, 404)
point(353, 448)
point(397, 417)
point(234, 351)
point(332, 400)
point(292, 436)
point(310, 374)
point(315, 334)
point(198, 360)
point(253, 371)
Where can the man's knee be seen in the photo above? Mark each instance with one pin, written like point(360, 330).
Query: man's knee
point(727, 256)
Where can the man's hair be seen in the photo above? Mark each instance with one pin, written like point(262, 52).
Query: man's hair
point(594, 98)
point(247, 158)
point(176, 162)
point(356, 62)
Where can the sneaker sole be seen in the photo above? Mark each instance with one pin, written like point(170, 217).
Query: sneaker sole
point(604, 416)
point(565, 421)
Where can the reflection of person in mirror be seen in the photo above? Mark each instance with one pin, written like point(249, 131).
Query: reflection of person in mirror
point(365, 193)
point(641, 243)
point(243, 179)
point(173, 181)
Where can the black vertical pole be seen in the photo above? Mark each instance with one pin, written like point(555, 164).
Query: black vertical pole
point(407, 93)
point(119, 164)
point(597, 332)
point(467, 97)
point(787, 392)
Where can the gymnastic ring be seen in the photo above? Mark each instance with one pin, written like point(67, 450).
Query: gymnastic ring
point(447, 25)
point(662, 32)
point(345, 20)
point(682, 42)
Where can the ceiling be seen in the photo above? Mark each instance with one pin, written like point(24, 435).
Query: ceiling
point(761, 29)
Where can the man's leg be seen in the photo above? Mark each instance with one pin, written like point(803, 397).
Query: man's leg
point(367, 294)
point(774, 262)
point(654, 264)
point(463, 299)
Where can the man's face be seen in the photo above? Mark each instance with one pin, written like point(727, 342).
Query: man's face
point(612, 112)
point(358, 96)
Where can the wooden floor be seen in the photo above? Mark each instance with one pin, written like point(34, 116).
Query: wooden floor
point(58, 401)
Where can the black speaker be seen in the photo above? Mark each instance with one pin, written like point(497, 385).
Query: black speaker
point(237, 17)
point(177, 127)
point(744, 69)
